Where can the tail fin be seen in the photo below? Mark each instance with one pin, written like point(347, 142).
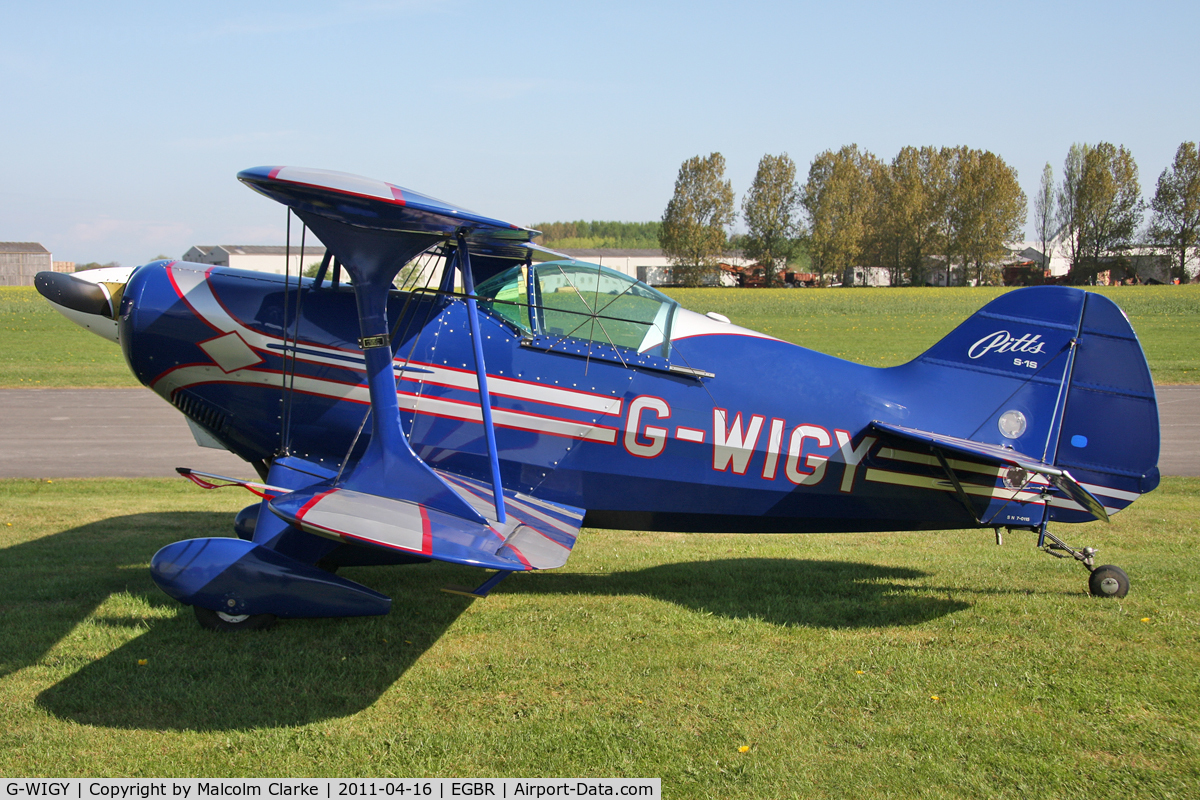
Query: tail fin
point(1072, 389)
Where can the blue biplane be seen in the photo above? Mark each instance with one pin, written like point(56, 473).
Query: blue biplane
point(505, 395)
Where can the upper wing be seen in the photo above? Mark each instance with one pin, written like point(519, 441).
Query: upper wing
point(363, 220)
point(373, 204)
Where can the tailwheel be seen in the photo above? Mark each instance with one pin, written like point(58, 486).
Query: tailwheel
point(1104, 581)
point(1108, 581)
point(220, 621)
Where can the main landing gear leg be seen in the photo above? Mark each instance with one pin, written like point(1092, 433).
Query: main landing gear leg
point(1104, 581)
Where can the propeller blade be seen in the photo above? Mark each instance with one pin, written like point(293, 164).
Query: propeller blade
point(68, 291)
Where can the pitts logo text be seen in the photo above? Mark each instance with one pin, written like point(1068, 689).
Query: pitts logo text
point(1003, 342)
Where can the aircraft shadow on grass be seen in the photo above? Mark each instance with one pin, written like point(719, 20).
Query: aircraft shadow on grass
point(308, 670)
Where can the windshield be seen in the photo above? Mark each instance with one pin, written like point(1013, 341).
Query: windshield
point(506, 295)
point(572, 299)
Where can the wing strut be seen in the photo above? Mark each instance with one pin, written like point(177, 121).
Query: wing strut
point(958, 487)
point(485, 398)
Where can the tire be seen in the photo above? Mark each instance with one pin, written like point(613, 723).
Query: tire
point(1108, 581)
point(220, 621)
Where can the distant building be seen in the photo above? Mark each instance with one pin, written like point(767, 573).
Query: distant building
point(867, 276)
point(649, 266)
point(634, 263)
point(1141, 264)
point(63, 266)
point(20, 261)
point(262, 258)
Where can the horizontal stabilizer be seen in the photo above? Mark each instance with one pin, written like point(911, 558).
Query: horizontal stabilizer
point(997, 455)
point(536, 535)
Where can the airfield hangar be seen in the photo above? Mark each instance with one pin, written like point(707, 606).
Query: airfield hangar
point(20, 261)
point(263, 258)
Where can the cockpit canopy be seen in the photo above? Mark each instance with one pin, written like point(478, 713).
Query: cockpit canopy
point(576, 300)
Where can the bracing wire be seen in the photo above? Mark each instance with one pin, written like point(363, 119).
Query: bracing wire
point(291, 376)
point(283, 392)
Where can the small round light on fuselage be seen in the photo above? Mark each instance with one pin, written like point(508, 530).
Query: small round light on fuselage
point(1012, 424)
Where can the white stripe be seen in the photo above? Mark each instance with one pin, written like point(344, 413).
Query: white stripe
point(509, 419)
point(925, 482)
point(525, 504)
point(1116, 494)
point(565, 527)
point(198, 292)
point(966, 466)
point(1062, 502)
point(191, 376)
point(506, 387)
point(919, 458)
point(337, 181)
point(185, 377)
point(393, 522)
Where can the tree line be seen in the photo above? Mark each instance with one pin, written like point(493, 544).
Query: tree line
point(948, 210)
point(1097, 210)
point(583, 235)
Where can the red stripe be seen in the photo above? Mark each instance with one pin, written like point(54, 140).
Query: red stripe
point(203, 484)
point(426, 531)
point(519, 555)
point(240, 322)
point(612, 435)
point(431, 365)
point(471, 490)
point(347, 192)
point(171, 276)
point(316, 499)
point(516, 426)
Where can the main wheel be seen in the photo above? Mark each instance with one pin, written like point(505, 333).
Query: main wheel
point(1108, 581)
point(220, 621)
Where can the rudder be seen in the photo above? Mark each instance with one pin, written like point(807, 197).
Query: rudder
point(1109, 434)
point(1071, 363)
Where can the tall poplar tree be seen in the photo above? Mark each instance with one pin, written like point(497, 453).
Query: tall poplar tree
point(992, 210)
point(1100, 200)
point(1068, 202)
point(769, 209)
point(837, 199)
point(1044, 213)
point(1176, 205)
point(694, 224)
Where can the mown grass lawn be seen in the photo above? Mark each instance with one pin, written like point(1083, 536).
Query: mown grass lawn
point(878, 327)
point(867, 665)
point(40, 348)
point(888, 326)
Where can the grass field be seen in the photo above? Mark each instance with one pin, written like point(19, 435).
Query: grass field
point(879, 327)
point(884, 327)
point(40, 348)
point(897, 665)
point(866, 665)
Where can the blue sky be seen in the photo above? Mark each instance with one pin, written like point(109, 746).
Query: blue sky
point(125, 122)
